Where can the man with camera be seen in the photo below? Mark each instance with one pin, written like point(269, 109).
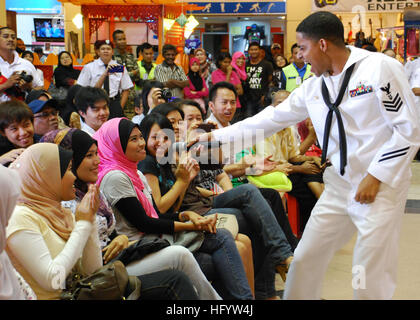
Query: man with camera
point(18, 75)
point(106, 73)
point(171, 75)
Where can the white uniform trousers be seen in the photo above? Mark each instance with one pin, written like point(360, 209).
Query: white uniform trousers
point(332, 224)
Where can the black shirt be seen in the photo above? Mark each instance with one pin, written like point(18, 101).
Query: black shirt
point(258, 76)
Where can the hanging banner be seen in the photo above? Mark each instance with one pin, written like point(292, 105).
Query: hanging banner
point(367, 5)
point(230, 8)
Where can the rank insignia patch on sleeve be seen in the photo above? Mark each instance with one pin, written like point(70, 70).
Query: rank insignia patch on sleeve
point(393, 103)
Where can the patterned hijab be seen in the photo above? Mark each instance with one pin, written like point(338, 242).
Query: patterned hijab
point(112, 155)
point(39, 170)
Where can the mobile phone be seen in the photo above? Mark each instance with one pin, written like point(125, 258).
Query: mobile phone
point(116, 68)
point(207, 127)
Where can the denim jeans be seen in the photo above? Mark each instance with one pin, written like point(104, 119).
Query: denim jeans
point(264, 272)
point(228, 264)
point(167, 284)
point(257, 212)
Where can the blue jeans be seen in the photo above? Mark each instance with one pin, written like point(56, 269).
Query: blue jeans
point(227, 263)
point(257, 221)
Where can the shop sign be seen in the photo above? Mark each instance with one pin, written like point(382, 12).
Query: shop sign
point(367, 5)
point(230, 8)
point(34, 7)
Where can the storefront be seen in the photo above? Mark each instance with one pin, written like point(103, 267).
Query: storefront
point(382, 22)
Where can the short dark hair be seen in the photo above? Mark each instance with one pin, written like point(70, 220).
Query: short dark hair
point(146, 45)
point(166, 108)
point(168, 47)
point(87, 96)
point(4, 28)
point(222, 56)
point(99, 43)
point(189, 102)
point(221, 85)
point(114, 34)
point(323, 25)
point(254, 44)
point(293, 47)
point(14, 111)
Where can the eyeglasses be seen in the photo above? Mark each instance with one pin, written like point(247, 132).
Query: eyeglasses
point(46, 114)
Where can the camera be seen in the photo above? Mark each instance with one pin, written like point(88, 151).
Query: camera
point(25, 77)
point(166, 94)
point(117, 68)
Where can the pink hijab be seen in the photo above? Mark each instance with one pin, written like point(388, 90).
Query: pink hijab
point(112, 158)
point(241, 71)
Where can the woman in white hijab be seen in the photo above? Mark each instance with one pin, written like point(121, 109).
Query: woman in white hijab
point(12, 285)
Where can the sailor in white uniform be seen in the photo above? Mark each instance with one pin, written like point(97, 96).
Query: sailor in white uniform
point(373, 136)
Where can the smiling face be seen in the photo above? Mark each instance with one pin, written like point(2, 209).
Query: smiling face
point(135, 150)
point(105, 52)
point(158, 142)
point(191, 115)
point(224, 64)
point(240, 61)
point(201, 56)
point(68, 191)
point(195, 67)
point(21, 134)
point(169, 57)
point(177, 122)
point(88, 168)
point(312, 52)
point(224, 106)
point(96, 115)
point(280, 61)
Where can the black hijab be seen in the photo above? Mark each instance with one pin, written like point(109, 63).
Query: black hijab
point(64, 75)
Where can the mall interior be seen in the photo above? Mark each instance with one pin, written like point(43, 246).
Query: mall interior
point(230, 26)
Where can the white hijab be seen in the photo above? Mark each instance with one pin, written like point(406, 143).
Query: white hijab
point(10, 190)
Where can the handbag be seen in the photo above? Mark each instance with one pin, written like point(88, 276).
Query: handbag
point(110, 282)
point(228, 222)
point(141, 248)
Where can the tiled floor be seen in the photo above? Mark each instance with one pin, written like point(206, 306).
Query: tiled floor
point(337, 283)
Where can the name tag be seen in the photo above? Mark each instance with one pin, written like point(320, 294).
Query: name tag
point(145, 76)
point(298, 81)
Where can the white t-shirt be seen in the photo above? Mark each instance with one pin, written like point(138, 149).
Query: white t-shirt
point(19, 65)
point(91, 73)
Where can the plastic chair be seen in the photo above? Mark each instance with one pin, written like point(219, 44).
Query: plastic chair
point(293, 214)
point(88, 58)
point(52, 60)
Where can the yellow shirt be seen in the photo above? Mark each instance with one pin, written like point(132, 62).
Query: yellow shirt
point(282, 146)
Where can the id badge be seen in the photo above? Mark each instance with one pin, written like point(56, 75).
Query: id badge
point(298, 81)
point(145, 76)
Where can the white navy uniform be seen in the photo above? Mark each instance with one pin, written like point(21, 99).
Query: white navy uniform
point(383, 135)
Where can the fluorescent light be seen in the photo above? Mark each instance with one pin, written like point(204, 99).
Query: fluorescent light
point(78, 21)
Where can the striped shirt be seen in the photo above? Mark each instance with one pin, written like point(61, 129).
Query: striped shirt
point(164, 73)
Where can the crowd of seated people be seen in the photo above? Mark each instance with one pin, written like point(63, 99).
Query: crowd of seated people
point(95, 172)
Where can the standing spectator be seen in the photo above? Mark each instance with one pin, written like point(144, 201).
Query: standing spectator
point(225, 72)
point(260, 73)
point(11, 66)
point(171, 75)
point(197, 90)
point(28, 55)
point(65, 75)
point(103, 73)
point(280, 62)
point(146, 66)
point(295, 73)
point(127, 59)
point(206, 67)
